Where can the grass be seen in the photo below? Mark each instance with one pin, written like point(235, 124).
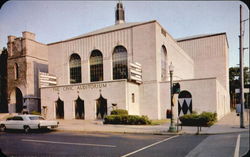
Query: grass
point(159, 122)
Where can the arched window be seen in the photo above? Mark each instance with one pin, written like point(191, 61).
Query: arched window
point(16, 71)
point(96, 66)
point(163, 63)
point(120, 63)
point(75, 68)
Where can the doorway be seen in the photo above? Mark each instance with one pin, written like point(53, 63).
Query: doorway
point(19, 100)
point(59, 109)
point(79, 108)
point(101, 107)
point(184, 103)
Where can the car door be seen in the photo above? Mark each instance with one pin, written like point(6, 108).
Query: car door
point(33, 121)
point(8, 123)
point(17, 122)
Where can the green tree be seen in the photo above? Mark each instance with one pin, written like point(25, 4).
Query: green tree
point(234, 83)
point(234, 73)
point(3, 81)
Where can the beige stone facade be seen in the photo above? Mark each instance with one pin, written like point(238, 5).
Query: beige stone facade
point(143, 42)
point(26, 57)
point(200, 67)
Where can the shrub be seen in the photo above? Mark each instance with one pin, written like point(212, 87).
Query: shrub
point(119, 112)
point(127, 119)
point(194, 112)
point(35, 113)
point(203, 119)
point(208, 117)
point(189, 119)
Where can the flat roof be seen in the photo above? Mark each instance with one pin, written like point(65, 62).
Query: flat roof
point(201, 36)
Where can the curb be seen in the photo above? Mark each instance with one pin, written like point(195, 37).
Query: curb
point(152, 132)
point(119, 132)
point(220, 133)
point(216, 133)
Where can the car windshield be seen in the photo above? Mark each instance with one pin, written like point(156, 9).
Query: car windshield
point(36, 118)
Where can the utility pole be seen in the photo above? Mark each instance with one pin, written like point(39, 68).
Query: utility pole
point(241, 73)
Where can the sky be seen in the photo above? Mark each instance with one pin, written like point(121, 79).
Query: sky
point(54, 21)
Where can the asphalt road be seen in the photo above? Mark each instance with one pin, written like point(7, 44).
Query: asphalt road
point(222, 145)
point(115, 145)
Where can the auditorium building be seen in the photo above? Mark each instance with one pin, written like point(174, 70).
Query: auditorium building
point(124, 66)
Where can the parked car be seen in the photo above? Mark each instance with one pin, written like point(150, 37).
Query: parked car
point(27, 122)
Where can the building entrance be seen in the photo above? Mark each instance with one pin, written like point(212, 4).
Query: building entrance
point(19, 101)
point(59, 109)
point(79, 108)
point(101, 107)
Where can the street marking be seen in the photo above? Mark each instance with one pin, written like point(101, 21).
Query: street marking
point(237, 147)
point(151, 145)
point(68, 143)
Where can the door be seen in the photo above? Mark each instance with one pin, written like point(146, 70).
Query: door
point(101, 107)
point(19, 101)
point(17, 122)
point(59, 109)
point(79, 109)
point(184, 103)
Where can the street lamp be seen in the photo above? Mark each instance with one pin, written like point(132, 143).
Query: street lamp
point(171, 127)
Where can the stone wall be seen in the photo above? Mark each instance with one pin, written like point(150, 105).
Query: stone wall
point(208, 95)
point(113, 91)
point(26, 58)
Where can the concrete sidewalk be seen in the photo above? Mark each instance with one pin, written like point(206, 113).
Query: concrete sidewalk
point(228, 124)
point(98, 126)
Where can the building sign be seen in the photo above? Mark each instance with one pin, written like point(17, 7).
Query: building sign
point(46, 80)
point(136, 72)
point(81, 87)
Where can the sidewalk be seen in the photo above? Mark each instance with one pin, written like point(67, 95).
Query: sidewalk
point(228, 124)
point(98, 126)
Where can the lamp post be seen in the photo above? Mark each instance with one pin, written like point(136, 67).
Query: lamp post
point(171, 127)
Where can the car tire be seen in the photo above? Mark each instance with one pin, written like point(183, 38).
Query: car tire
point(2, 127)
point(26, 129)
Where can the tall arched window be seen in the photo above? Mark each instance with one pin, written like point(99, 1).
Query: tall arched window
point(96, 66)
point(16, 71)
point(120, 63)
point(163, 63)
point(75, 68)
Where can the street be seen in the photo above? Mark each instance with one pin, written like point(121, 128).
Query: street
point(120, 145)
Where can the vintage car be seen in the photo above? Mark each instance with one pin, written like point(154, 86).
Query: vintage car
point(27, 122)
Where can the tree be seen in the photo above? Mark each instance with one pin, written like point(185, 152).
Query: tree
point(3, 81)
point(234, 82)
point(234, 73)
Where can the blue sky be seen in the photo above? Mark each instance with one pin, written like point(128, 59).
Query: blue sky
point(53, 21)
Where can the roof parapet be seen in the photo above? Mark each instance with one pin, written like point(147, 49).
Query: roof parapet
point(29, 35)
